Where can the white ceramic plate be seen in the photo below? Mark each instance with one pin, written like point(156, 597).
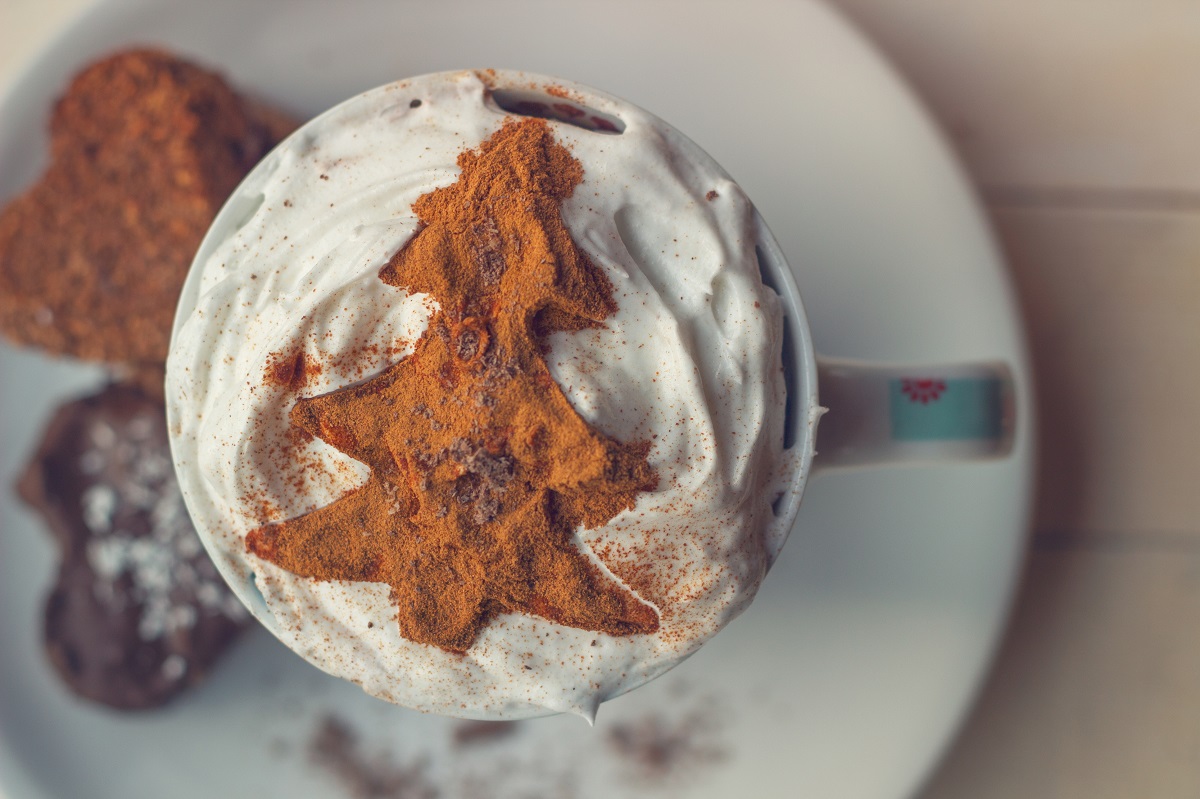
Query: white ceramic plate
point(850, 673)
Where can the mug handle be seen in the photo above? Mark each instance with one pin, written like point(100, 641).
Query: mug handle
point(880, 413)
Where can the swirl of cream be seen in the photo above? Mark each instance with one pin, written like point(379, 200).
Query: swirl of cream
point(690, 361)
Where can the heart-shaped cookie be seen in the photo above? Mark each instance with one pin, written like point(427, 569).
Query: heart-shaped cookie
point(138, 612)
point(145, 148)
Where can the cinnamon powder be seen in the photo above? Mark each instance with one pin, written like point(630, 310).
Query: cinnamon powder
point(481, 470)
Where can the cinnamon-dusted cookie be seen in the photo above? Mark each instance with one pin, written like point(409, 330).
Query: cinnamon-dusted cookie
point(145, 148)
point(138, 612)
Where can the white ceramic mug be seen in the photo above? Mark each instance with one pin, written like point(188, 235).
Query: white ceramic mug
point(877, 413)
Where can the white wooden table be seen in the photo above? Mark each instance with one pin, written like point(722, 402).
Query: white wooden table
point(1080, 122)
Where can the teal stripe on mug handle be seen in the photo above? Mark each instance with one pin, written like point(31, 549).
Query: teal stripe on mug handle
point(955, 409)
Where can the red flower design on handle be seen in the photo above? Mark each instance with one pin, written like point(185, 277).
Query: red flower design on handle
point(923, 390)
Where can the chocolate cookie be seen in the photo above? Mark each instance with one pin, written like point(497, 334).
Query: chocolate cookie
point(145, 148)
point(138, 612)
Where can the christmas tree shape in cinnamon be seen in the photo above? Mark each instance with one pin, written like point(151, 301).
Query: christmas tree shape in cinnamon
point(481, 471)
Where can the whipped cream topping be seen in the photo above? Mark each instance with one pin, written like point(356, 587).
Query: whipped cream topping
point(690, 361)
